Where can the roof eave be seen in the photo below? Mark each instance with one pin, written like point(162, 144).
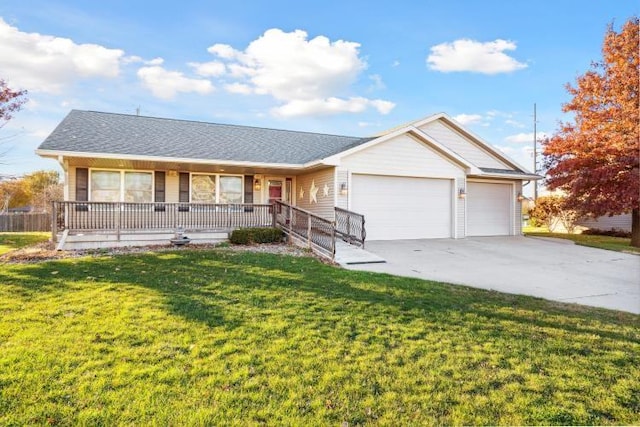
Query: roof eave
point(493, 150)
point(56, 153)
point(519, 176)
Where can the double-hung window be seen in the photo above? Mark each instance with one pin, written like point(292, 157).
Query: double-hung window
point(203, 188)
point(211, 189)
point(121, 186)
point(230, 189)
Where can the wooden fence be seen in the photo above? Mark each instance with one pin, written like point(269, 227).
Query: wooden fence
point(25, 222)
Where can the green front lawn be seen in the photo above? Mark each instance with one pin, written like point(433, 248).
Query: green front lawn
point(223, 338)
point(620, 244)
point(11, 241)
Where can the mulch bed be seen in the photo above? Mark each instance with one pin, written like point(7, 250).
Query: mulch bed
point(46, 251)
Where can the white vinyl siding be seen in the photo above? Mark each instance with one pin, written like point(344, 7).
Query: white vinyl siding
point(462, 146)
point(71, 183)
point(403, 207)
point(489, 209)
point(517, 209)
point(401, 156)
point(324, 204)
point(172, 188)
point(460, 222)
point(342, 177)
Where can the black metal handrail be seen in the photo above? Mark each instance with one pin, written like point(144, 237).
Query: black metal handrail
point(318, 233)
point(350, 226)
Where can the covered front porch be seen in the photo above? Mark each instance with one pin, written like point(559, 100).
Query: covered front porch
point(91, 225)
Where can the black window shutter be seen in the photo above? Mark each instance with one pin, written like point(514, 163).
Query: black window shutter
point(159, 185)
point(248, 192)
point(82, 187)
point(184, 191)
point(159, 178)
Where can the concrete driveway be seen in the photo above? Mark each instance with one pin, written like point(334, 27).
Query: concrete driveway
point(548, 268)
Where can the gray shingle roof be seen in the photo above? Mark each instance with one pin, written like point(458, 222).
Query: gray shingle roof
point(97, 132)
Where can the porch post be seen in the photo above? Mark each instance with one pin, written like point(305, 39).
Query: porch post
point(309, 230)
point(54, 223)
point(274, 215)
point(118, 218)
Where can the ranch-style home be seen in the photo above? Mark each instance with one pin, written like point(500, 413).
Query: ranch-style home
point(431, 178)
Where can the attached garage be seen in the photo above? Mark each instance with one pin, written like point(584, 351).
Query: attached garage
point(489, 209)
point(403, 207)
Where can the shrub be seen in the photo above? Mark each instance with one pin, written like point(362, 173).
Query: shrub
point(612, 232)
point(552, 211)
point(245, 236)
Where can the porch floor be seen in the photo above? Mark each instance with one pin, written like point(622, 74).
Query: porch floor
point(347, 254)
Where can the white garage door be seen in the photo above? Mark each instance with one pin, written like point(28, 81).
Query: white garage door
point(489, 210)
point(402, 208)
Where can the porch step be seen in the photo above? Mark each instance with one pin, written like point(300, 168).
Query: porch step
point(99, 240)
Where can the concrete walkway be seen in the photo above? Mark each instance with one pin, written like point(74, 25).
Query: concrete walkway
point(554, 269)
point(347, 254)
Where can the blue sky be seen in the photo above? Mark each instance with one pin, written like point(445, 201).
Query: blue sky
point(340, 67)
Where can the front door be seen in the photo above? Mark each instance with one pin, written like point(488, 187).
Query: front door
point(275, 190)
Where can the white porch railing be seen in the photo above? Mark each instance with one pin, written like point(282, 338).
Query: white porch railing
point(120, 216)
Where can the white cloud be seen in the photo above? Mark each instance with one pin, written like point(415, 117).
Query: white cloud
point(520, 138)
point(154, 61)
point(131, 59)
point(332, 105)
point(376, 82)
point(166, 84)
point(395, 63)
point(43, 63)
point(307, 76)
point(208, 69)
point(467, 119)
point(514, 123)
point(383, 107)
point(223, 51)
point(474, 56)
point(238, 88)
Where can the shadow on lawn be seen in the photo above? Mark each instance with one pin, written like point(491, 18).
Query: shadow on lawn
point(221, 289)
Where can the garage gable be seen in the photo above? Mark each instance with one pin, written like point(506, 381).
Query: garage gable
point(463, 146)
point(402, 155)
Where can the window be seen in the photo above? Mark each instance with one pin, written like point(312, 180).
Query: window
point(230, 189)
point(138, 187)
point(203, 188)
point(116, 186)
point(105, 186)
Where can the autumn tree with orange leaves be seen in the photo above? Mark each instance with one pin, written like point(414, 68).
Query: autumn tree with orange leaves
point(10, 101)
point(595, 160)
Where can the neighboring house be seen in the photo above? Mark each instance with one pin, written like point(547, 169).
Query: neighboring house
point(431, 178)
point(616, 222)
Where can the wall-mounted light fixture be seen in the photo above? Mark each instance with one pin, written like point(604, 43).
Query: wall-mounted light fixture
point(462, 193)
point(257, 185)
point(344, 190)
point(520, 197)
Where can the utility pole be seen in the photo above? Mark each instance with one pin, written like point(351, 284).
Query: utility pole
point(535, 152)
